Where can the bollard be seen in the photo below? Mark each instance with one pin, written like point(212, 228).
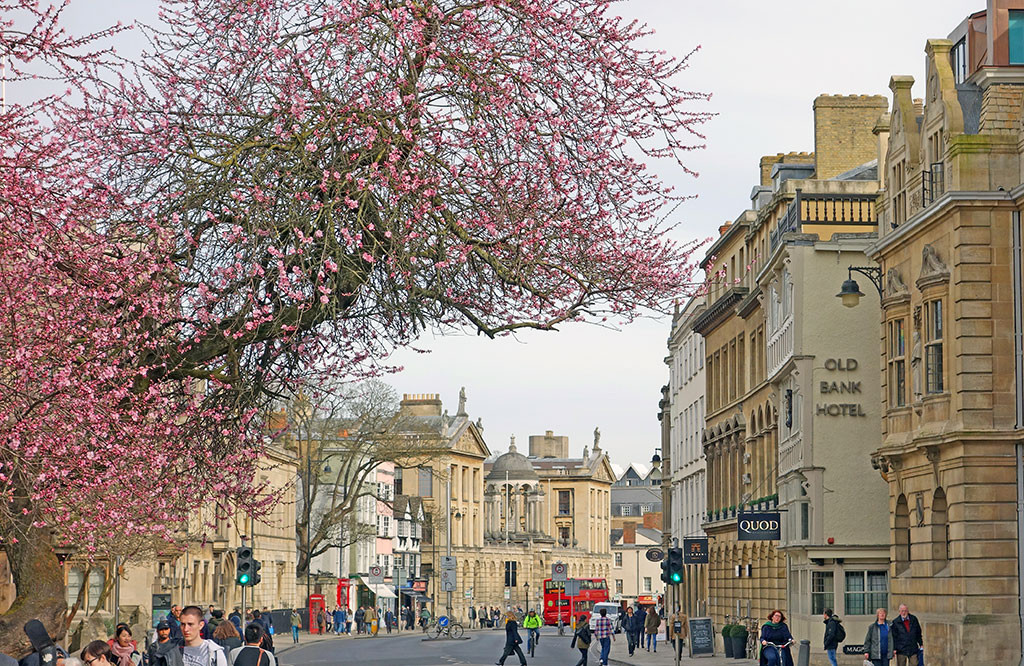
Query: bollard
point(804, 657)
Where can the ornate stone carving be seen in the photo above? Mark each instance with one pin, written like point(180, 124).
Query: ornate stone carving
point(894, 284)
point(933, 269)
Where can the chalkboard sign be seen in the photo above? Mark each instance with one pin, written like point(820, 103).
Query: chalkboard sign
point(702, 637)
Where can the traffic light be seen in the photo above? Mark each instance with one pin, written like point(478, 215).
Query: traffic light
point(664, 572)
point(244, 565)
point(675, 566)
point(256, 578)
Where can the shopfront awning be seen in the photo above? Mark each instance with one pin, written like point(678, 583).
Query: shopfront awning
point(382, 591)
point(414, 595)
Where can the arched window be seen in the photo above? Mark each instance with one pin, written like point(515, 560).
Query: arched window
point(940, 530)
point(901, 535)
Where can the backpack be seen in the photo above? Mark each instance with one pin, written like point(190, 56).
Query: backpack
point(840, 632)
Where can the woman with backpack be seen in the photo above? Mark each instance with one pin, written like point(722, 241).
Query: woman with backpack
point(581, 639)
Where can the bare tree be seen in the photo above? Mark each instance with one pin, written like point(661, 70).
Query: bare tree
point(342, 438)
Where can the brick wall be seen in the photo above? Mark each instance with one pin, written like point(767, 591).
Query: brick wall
point(768, 161)
point(843, 136)
point(1000, 109)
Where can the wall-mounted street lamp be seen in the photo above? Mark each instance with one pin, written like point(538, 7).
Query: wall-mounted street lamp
point(850, 292)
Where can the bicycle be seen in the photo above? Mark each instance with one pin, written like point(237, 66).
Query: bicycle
point(778, 651)
point(752, 635)
point(448, 628)
point(531, 642)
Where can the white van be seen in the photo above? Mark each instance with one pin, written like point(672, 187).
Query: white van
point(613, 614)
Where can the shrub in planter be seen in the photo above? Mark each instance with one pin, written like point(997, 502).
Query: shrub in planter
point(727, 639)
point(738, 637)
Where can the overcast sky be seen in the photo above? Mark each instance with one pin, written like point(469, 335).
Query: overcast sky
point(764, 63)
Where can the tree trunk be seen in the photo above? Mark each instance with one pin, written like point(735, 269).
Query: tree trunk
point(39, 581)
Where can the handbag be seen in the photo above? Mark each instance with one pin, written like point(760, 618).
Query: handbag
point(867, 662)
point(583, 645)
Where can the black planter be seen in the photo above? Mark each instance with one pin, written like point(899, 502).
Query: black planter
point(739, 646)
point(727, 640)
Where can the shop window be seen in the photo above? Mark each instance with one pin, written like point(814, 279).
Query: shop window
point(897, 368)
point(933, 346)
point(866, 591)
point(823, 591)
point(618, 586)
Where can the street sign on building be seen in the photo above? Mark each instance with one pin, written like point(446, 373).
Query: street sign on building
point(695, 550)
point(655, 554)
point(761, 526)
point(508, 593)
point(448, 580)
point(559, 571)
point(376, 575)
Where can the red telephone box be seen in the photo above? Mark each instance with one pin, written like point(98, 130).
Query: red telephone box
point(344, 585)
point(316, 604)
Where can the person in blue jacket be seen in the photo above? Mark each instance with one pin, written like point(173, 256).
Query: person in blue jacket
point(774, 633)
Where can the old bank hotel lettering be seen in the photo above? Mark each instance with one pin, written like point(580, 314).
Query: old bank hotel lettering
point(836, 385)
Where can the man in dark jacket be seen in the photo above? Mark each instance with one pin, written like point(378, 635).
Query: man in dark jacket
point(832, 635)
point(907, 639)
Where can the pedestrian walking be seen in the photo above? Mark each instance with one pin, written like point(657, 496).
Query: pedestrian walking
point(472, 615)
point(483, 616)
point(834, 635)
point(629, 627)
point(172, 621)
point(878, 642)
point(124, 649)
point(296, 622)
point(226, 637)
point(338, 620)
point(651, 624)
point(236, 619)
point(252, 654)
point(776, 632)
point(641, 619)
point(360, 619)
point(321, 620)
point(196, 650)
point(907, 637)
point(604, 631)
point(348, 620)
point(389, 619)
point(581, 639)
point(512, 640)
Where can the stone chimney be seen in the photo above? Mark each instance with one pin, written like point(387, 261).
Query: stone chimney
point(421, 404)
point(843, 132)
point(769, 161)
point(629, 532)
point(549, 445)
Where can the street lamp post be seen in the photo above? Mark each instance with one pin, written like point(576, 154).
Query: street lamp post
point(526, 593)
point(850, 293)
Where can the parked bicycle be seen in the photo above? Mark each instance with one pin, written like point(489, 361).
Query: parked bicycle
point(448, 628)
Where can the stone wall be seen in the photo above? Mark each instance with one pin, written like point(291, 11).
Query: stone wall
point(843, 136)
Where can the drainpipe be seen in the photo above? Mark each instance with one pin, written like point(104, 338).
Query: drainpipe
point(1018, 359)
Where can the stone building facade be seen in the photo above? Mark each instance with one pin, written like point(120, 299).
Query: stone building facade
point(685, 472)
point(950, 342)
point(512, 510)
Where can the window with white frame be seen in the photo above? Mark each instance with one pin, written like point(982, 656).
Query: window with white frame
point(933, 346)
point(618, 559)
point(625, 509)
point(866, 591)
point(383, 526)
point(823, 592)
point(647, 583)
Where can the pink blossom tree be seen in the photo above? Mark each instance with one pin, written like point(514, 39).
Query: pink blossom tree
point(284, 189)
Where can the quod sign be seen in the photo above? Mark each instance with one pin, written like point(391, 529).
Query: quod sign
point(761, 526)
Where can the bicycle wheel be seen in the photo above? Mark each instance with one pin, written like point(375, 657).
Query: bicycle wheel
point(455, 630)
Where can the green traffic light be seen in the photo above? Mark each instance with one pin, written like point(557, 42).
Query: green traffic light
point(676, 578)
point(243, 579)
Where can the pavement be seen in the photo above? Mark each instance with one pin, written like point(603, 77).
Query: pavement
point(663, 657)
point(482, 647)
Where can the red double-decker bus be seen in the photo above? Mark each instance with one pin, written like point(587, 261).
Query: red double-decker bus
point(592, 590)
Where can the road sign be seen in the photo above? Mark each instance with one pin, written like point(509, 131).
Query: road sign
point(655, 554)
point(448, 562)
point(448, 580)
point(508, 593)
point(558, 571)
point(572, 588)
point(376, 575)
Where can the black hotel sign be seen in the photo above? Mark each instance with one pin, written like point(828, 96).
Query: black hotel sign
point(695, 551)
point(762, 526)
